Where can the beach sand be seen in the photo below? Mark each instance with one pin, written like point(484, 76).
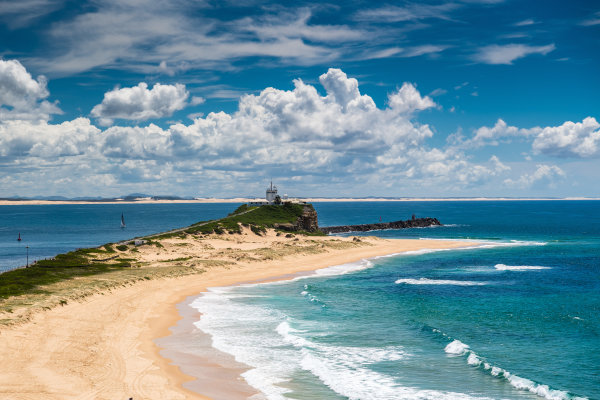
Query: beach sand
point(103, 346)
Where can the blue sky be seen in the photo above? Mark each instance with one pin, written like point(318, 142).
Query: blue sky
point(202, 98)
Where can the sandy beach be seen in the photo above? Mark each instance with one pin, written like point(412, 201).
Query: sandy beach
point(101, 344)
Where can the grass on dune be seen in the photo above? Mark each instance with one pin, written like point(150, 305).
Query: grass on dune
point(105, 259)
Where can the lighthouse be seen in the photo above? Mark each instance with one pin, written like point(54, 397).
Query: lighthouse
point(271, 193)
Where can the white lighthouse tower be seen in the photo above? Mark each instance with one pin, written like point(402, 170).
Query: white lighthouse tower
point(271, 193)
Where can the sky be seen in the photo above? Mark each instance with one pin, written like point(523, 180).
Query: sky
point(461, 98)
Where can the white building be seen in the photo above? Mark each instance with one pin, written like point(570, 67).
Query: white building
point(271, 193)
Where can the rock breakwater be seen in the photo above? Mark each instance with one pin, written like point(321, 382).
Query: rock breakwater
point(410, 223)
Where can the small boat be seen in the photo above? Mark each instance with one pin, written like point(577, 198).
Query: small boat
point(19, 238)
point(122, 221)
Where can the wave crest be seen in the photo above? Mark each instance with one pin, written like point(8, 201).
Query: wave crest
point(427, 281)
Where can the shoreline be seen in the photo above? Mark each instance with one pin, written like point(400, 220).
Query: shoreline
point(227, 365)
point(308, 200)
point(103, 346)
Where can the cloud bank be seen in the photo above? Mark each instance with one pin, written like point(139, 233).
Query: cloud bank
point(328, 140)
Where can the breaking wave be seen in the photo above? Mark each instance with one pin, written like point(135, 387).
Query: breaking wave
point(458, 348)
point(427, 281)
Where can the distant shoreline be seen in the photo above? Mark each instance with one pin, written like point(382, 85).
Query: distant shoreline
point(308, 199)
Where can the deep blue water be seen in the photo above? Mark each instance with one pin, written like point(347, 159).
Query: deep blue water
point(53, 229)
point(517, 319)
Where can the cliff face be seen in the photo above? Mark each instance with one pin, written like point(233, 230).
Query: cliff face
point(308, 221)
point(411, 223)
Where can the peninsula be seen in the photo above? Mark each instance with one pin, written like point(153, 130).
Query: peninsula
point(84, 324)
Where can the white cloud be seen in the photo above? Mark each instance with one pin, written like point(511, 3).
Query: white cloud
point(166, 37)
point(543, 176)
point(571, 139)
point(20, 139)
point(17, 14)
point(21, 96)
point(140, 103)
point(344, 91)
point(506, 54)
point(525, 22)
point(500, 131)
point(423, 50)
point(408, 100)
point(340, 140)
point(327, 139)
point(497, 165)
point(594, 20)
point(196, 100)
point(296, 25)
point(411, 12)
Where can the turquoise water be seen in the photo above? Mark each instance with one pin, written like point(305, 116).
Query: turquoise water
point(517, 319)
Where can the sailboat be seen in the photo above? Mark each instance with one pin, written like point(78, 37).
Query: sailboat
point(122, 221)
point(19, 238)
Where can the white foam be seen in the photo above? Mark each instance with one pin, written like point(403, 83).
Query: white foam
point(344, 268)
point(502, 267)
point(267, 341)
point(243, 331)
point(458, 348)
point(427, 281)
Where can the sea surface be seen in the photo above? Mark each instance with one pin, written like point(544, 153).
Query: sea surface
point(518, 318)
point(48, 230)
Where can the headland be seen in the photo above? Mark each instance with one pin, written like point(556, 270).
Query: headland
point(84, 325)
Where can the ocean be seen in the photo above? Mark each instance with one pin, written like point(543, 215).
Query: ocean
point(48, 230)
point(518, 318)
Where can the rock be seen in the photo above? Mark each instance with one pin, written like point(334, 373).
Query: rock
point(411, 223)
point(309, 220)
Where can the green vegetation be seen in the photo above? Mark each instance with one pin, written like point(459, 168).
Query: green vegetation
point(88, 262)
point(64, 266)
point(257, 218)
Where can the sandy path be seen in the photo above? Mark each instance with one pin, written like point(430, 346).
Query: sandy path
point(102, 347)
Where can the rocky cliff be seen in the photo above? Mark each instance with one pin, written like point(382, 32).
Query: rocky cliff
point(308, 221)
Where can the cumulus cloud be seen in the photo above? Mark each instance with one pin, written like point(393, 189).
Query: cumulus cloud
point(332, 139)
point(22, 96)
point(41, 139)
point(571, 139)
point(506, 54)
point(408, 100)
point(140, 103)
point(544, 176)
point(501, 130)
